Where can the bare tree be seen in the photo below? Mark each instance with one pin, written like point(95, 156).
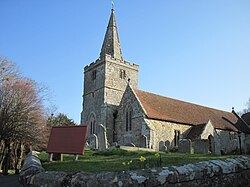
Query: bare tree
point(8, 70)
point(22, 118)
point(247, 109)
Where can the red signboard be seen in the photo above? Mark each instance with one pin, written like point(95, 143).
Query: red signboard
point(67, 139)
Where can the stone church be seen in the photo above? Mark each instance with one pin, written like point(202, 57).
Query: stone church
point(134, 117)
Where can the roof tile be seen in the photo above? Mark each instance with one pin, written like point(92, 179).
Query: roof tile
point(168, 109)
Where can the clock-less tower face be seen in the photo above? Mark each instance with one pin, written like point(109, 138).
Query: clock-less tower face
point(105, 81)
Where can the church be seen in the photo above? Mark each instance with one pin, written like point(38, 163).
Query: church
point(133, 117)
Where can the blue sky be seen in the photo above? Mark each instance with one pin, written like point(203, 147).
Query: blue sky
point(196, 51)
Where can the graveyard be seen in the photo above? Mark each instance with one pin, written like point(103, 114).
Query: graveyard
point(122, 160)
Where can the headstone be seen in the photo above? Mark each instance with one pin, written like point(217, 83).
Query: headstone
point(50, 157)
point(185, 146)
point(87, 145)
point(162, 146)
point(167, 144)
point(103, 143)
point(75, 157)
point(144, 141)
point(93, 141)
point(201, 146)
point(234, 144)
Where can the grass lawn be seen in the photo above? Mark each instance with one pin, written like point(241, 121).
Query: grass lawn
point(119, 160)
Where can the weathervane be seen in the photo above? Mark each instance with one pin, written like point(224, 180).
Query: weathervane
point(112, 5)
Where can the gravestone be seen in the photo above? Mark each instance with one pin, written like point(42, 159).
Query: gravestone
point(185, 146)
point(102, 139)
point(87, 145)
point(93, 141)
point(162, 146)
point(201, 146)
point(144, 141)
point(167, 144)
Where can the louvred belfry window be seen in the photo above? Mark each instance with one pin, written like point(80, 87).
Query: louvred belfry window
point(93, 74)
point(122, 74)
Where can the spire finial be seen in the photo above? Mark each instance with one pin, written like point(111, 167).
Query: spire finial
point(111, 44)
point(112, 5)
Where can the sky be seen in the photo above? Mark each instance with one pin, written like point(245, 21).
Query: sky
point(196, 51)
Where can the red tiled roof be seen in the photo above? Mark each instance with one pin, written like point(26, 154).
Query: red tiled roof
point(168, 109)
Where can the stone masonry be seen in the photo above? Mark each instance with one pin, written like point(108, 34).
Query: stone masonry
point(105, 81)
point(221, 173)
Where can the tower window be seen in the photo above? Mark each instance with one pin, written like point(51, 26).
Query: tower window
point(93, 74)
point(122, 74)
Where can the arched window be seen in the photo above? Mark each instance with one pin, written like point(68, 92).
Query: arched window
point(128, 119)
point(92, 122)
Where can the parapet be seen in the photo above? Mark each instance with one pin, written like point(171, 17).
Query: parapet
point(108, 58)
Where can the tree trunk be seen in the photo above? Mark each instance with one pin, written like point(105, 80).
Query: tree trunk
point(6, 160)
point(19, 157)
point(2, 153)
point(15, 156)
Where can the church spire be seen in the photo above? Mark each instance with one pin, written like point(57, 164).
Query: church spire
point(111, 43)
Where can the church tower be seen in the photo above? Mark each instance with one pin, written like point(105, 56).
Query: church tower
point(105, 81)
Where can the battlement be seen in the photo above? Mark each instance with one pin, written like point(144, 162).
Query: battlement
point(93, 64)
point(108, 58)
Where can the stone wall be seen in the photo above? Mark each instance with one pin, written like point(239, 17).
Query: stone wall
point(164, 131)
point(93, 93)
point(31, 167)
point(229, 172)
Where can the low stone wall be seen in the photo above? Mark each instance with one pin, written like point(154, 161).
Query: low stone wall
point(31, 167)
point(229, 172)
